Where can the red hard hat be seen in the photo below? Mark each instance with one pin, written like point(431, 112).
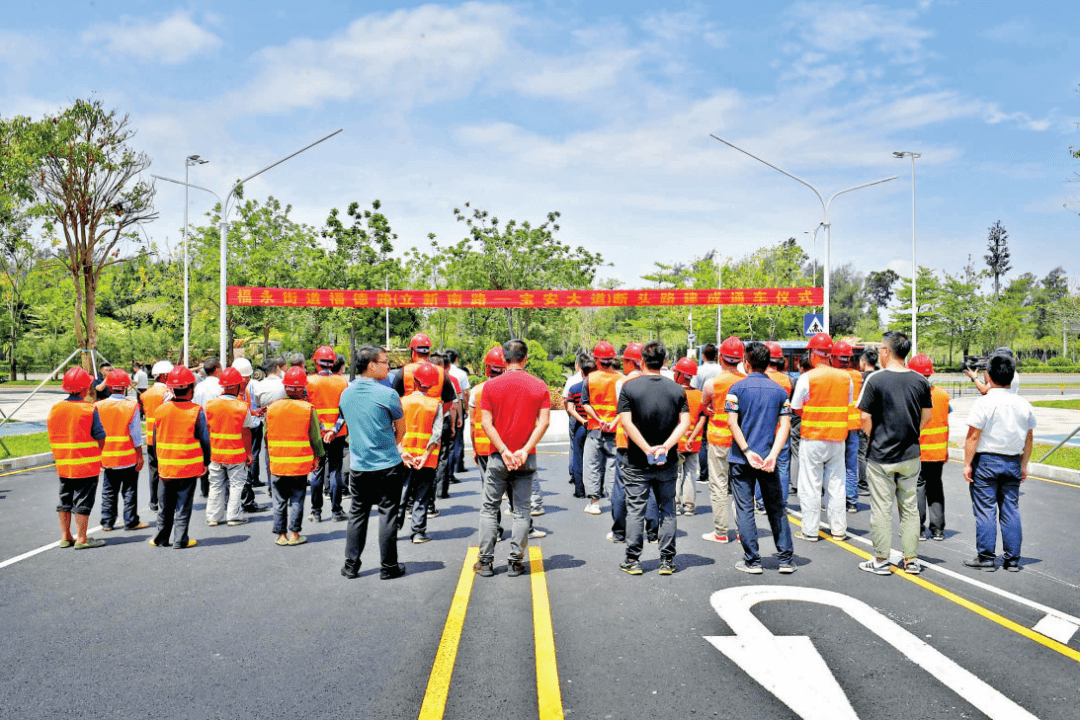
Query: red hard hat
point(842, 349)
point(686, 366)
point(603, 351)
point(426, 374)
point(180, 377)
point(921, 364)
point(732, 349)
point(230, 377)
point(295, 377)
point(495, 358)
point(420, 340)
point(325, 354)
point(633, 351)
point(117, 378)
point(76, 380)
point(820, 343)
point(775, 351)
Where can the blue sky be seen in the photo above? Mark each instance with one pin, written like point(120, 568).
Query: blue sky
point(602, 111)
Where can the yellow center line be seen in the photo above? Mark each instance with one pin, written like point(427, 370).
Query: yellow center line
point(438, 686)
point(961, 601)
point(1056, 482)
point(548, 692)
point(22, 470)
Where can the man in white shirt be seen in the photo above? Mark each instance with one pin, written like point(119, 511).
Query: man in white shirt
point(707, 370)
point(1001, 430)
point(458, 446)
point(141, 381)
point(209, 388)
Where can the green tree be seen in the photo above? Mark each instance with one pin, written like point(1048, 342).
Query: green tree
point(18, 255)
point(848, 300)
point(879, 287)
point(998, 255)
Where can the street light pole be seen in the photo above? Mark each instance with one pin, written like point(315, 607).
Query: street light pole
point(188, 162)
point(813, 277)
point(914, 267)
point(825, 206)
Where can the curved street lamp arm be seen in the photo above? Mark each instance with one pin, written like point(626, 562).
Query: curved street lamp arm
point(857, 187)
point(181, 182)
point(781, 170)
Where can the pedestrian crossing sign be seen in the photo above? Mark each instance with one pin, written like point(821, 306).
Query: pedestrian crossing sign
point(813, 323)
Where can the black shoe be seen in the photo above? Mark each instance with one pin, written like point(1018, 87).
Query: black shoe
point(255, 508)
point(257, 483)
point(433, 512)
point(461, 469)
point(315, 517)
point(515, 568)
point(454, 480)
point(340, 517)
point(444, 496)
point(937, 537)
point(864, 490)
point(978, 562)
point(350, 573)
point(852, 508)
point(391, 573)
point(153, 508)
point(579, 495)
point(483, 569)
point(1012, 566)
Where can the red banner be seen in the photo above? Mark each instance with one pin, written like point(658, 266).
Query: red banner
point(289, 297)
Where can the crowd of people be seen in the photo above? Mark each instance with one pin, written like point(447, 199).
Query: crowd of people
point(641, 437)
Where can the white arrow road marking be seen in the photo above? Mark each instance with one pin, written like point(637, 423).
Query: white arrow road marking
point(792, 670)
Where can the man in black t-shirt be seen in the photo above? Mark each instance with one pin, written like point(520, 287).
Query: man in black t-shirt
point(895, 404)
point(654, 412)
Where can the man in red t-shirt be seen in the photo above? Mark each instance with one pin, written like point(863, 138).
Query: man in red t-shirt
point(515, 409)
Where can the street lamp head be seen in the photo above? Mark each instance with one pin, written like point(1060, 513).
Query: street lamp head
point(196, 160)
point(907, 153)
point(899, 154)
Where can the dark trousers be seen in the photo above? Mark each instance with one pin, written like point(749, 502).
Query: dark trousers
point(175, 498)
point(995, 498)
point(640, 484)
point(864, 444)
point(743, 480)
point(155, 478)
point(445, 469)
point(457, 449)
point(703, 463)
point(618, 506)
point(256, 455)
point(120, 481)
point(288, 492)
point(577, 453)
point(419, 487)
point(376, 487)
point(329, 470)
point(793, 441)
point(931, 497)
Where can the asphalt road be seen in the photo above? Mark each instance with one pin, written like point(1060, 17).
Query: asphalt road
point(240, 628)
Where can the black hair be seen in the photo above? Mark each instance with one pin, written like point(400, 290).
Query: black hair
point(871, 357)
point(587, 365)
point(339, 362)
point(654, 354)
point(367, 355)
point(804, 362)
point(296, 359)
point(709, 352)
point(211, 365)
point(757, 355)
point(1001, 368)
point(515, 351)
point(779, 363)
point(898, 343)
point(452, 354)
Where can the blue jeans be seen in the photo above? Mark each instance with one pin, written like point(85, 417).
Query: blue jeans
point(743, 480)
point(289, 491)
point(577, 451)
point(120, 481)
point(329, 469)
point(783, 471)
point(640, 485)
point(995, 496)
point(703, 462)
point(175, 498)
point(851, 465)
point(618, 505)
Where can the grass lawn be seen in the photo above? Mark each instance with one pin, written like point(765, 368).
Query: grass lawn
point(1059, 404)
point(1066, 457)
point(21, 445)
point(31, 383)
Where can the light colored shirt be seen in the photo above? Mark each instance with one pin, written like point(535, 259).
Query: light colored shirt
point(706, 371)
point(461, 375)
point(269, 390)
point(369, 409)
point(570, 382)
point(134, 427)
point(1004, 419)
point(141, 381)
point(206, 391)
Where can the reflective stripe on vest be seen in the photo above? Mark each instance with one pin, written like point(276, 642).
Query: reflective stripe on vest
point(825, 414)
point(151, 400)
point(719, 433)
point(179, 451)
point(691, 442)
point(602, 397)
point(115, 416)
point(934, 438)
point(481, 442)
point(407, 372)
point(76, 453)
point(324, 392)
point(288, 441)
point(420, 411)
point(621, 441)
point(225, 416)
point(854, 415)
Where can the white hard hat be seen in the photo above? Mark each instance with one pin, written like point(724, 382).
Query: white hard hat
point(161, 367)
point(243, 365)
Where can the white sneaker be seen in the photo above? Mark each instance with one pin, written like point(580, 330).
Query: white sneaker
point(593, 507)
point(611, 538)
point(713, 537)
point(536, 511)
point(535, 534)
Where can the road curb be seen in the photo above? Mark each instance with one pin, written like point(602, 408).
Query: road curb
point(26, 461)
point(1039, 470)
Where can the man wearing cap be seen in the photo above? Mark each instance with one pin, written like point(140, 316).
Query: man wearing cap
point(230, 421)
point(151, 400)
point(122, 455)
point(293, 442)
point(324, 392)
point(76, 436)
point(843, 359)
point(707, 370)
point(718, 435)
point(934, 453)
point(600, 399)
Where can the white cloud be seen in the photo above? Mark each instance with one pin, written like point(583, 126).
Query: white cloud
point(19, 50)
point(170, 41)
point(836, 28)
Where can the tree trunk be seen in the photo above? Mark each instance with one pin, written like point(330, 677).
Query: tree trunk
point(266, 343)
point(352, 347)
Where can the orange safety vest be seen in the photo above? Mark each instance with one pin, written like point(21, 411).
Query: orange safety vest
point(691, 442)
point(481, 442)
point(409, 370)
point(225, 417)
point(780, 379)
point(119, 449)
point(179, 452)
point(934, 438)
point(324, 392)
point(854, 415)
point(719, 433)
point(602, 397)
point(288, 439)
point(825, 414)
point(420, 411)
point(621, 441)
point(76, 453)
point(151, 401)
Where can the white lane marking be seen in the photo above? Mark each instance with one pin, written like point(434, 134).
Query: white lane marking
point(1055, 628)
point(792, 670)
point(43, 548)
point(895, 556)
